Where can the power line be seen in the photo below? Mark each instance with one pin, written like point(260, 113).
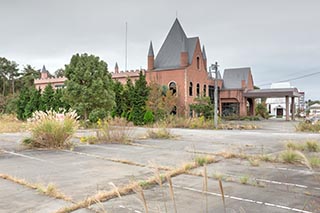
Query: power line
point(296, 78)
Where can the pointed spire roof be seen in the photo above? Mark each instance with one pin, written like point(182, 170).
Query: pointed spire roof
point(116, 66)
point(43, 69)
point(150, 53)
point(176, 42)
point(204, 55)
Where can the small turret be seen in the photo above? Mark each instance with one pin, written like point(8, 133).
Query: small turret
point(150, 57)
point(116, 68)
point(44, 73)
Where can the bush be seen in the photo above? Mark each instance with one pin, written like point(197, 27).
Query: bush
point(148, 117)
point(261, 109)
point(52, 130)
point(114, 130)
point(308, 127)
point(160, 133)
point(97, 114)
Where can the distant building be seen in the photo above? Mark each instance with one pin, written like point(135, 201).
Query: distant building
point(46, 79)
point(277, 106)
point(314, 110)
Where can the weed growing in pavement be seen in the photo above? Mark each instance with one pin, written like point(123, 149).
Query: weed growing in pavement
point(159, 133)
point(244, 179)
point(89, 139)
point(314, 162)
point(308, 127)
point(313, 146)
point(290, 156)
point(203, 160)
point(52, 130)
point(114, 130)
point(254, 162)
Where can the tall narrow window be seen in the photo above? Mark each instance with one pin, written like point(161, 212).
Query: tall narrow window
point(173, 88)
point(198, 62)
point(204, 90)
point(198, 89)
point(190, 89)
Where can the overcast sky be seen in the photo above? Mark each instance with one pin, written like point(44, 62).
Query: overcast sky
point(278, 39)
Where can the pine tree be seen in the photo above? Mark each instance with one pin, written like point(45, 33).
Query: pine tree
point(141, 92)
point(22, 102)
point(47, 98)
point(34, 102)
point(119, 107)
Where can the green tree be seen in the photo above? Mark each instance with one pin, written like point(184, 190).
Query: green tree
point(89, 84)
point(29, 73)
point(34, 102)
point(59, 73)
point(59, 102)
point(127, 97)
point(161, 101)
point(120, 104)
point(203, 106)
point(47, 98)
point(22, 102)
point(141, 92)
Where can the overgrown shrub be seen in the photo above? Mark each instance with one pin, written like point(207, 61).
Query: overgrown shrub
point(159, 133)
point(114, 130)
point(261, 110)
point(52, 130)
point(148, 117)
point(308, 127)
point(97, 114)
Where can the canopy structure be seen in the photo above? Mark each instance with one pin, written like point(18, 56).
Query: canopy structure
point(276, 93)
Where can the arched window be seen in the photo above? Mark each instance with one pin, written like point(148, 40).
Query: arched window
point(198, 89)
point(204, 90)
point(190, 88)
point(198, 62)
point(173, 87)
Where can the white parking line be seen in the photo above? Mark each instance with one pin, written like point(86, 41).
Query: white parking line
point(244, 199)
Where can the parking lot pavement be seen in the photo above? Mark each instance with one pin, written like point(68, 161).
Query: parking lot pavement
point(17, 198)
point(88, 169)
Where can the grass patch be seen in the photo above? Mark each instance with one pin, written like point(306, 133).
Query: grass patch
point(159, 133)
point(244, 179)
point(49, 130)
point(308, 127)
point(204, 160)
point(254, 162)
point(290, 156)
point(314, 162)
point(49, 190)
point(313, 146)
point(115, 130)
point(9, 123)
point(310, 146)
point(89, 139)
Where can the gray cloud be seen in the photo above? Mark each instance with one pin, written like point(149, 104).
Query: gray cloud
point(277, 39)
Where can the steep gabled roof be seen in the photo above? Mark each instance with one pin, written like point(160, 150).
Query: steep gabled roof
point(176, 42)
point(232, 78)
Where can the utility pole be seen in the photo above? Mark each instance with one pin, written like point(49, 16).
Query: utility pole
point(126, 48)
point(215, 118)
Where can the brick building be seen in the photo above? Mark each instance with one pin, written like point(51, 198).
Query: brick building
point(181, 65)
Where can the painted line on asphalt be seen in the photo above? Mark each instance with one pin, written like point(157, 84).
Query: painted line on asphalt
point(24, 156)
point(244, 199)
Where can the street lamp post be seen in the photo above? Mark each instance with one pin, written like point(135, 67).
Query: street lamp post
point(215, 68)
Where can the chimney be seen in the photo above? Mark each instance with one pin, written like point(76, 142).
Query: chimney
point(184, 57)
point(150, 57)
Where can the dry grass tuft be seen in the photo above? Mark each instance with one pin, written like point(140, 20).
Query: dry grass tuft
point(159, 133)
point(115, 130)
point(49, 190)
point(9, 123)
